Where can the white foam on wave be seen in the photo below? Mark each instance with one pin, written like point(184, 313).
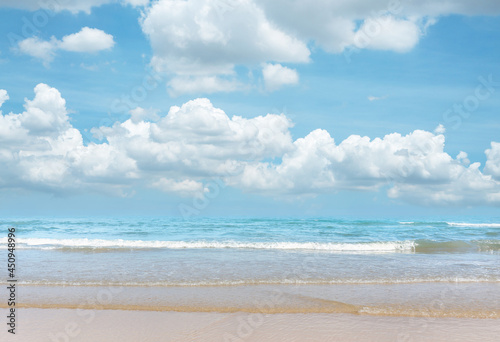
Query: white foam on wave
point(243, 282)
point(465, 224)
point(389, 246)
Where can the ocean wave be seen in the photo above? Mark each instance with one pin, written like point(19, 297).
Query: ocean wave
point(408, 246)
point(434, 224)
point(452, 224)
point(249, 282)
point(385, 246)
point(475, 225)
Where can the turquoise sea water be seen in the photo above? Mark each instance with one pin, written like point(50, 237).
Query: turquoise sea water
point(228, 251)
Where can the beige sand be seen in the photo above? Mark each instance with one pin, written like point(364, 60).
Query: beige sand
point(114, 325)
point(445, 300)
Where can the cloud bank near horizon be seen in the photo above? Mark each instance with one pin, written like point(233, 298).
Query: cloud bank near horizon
point(181, 151)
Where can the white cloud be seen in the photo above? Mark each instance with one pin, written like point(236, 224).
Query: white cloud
point(4, 96)
point(321, 12)
point(198, 139)
point(376, 98)
point(178, 153)
point(185, 188)
point(73, 6)
point(137, 3)
point(465, 186)
point(414, 166)
point(462, 158)
point(40, 150)
point(440, 129)
point(87, 40)
point(37, 48)
point(210, 38)
point(276, 76)
point(140, 114)
point(335, 22)
point(492, 166)
point(46, 112)
point(387, 33)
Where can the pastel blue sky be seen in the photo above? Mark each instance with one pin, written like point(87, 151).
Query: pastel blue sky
point(249, 107)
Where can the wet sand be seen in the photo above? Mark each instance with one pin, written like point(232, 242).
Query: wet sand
point(115, 325)
point(369, 312)
point(457, 300)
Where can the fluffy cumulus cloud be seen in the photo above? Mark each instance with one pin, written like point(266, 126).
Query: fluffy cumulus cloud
point(387, 33)
point(212, 36)
point(4, 96)
point(87, 40)
point(39, 149)
point(276, 76)
point(37, 48)
point(415, 167)
point(202, 40)
point(385, 24)
point(198, 41)
point(493, 163)
point(198, 140)
point(181, 151)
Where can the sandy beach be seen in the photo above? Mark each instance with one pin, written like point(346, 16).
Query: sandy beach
point(439, 300)
point(369, 312)
point(243, 280)
point(118, 325)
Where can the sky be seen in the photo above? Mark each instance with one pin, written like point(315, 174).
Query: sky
point(250, 108)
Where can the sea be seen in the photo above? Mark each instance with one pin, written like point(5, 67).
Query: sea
point(380, 265)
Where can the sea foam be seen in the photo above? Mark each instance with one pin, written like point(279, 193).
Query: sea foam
point(385, 246)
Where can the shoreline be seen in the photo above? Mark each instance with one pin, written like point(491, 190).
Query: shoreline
point(363, 311)
point(478, 300)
